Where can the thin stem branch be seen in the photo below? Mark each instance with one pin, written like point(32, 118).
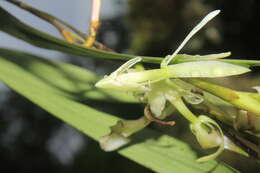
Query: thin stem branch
point(182, 108)
point(96, 5)
point(150, 117)
point(57, 23)
point(94, 23)
point(178, 103)
point(45, 16)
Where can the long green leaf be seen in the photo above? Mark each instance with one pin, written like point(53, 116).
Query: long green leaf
point(16, 28)
point(74, 82)
point(151, 149)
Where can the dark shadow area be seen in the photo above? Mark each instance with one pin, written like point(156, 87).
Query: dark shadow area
point(28, 135)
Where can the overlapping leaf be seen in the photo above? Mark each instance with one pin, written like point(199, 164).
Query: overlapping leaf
point(44, 83)
point(16, 28)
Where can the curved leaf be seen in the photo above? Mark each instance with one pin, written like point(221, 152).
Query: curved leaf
point(67, 79)
point(16, 28)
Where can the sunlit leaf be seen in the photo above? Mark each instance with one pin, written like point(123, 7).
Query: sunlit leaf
point(73, 81)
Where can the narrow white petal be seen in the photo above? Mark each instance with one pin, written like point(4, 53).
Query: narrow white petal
point(202, 23)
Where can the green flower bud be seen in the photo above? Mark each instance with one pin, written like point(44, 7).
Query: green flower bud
point(120, 132)
point(113, 141)
point(209, 135)
point(206, 137)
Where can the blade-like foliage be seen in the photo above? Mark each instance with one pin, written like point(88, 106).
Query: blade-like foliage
point(66, 79)
point(34, 78)
point(16, 28)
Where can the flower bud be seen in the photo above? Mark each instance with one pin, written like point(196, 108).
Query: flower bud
point(209, 135)
point(207, 138)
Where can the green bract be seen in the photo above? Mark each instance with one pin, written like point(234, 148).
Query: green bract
point(138, 81)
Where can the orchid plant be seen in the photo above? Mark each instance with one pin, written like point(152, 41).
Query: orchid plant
point(180, 84)
point(156, 87)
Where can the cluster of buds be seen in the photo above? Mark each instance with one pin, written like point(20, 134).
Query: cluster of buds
point(156, 87)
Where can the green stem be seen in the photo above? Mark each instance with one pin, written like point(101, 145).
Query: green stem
point(182, 108)
point(178, 103)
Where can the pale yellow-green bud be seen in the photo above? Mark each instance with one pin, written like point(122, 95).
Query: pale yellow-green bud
point(207, 138)
point(209, 135)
